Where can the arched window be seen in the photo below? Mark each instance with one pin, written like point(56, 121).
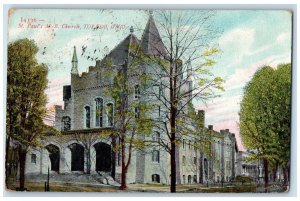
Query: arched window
point(183, 143)
point(66, 123)
point(155, 156)
point(183, 177)
point(205, 168)
point(87, 117)
point(161, 92)
point(137, 112)
point(183, 160)
point(137, 93)
point(156, 137)
point(156, 178)
point(99, 112)
point(195, 179)
point(189, 144)
point(110, 114)
point(33, 158)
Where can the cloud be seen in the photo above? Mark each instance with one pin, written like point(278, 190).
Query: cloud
point(222, 112)
point(237, 43)
point(241, 76)
point(55, 90)
point(13, 33)
point(284, 38)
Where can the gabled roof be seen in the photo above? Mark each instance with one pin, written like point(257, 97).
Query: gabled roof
point(121, 52)
point(151, 42)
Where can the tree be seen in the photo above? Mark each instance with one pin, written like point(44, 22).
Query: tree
point(265, 116)
point(26, 100)
point(282, 115)
point(130, 120)
point(183, 40)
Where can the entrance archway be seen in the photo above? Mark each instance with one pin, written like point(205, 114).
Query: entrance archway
point(54, 156)
point(77, 157)
point(103, 157)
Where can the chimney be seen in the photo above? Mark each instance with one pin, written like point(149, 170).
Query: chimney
point(210, 127)
point(66, 92)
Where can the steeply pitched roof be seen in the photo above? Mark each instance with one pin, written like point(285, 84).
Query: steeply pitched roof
point(151, 42)
point(121, 52)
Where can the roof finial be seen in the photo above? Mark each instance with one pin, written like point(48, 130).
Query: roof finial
point(131, 29)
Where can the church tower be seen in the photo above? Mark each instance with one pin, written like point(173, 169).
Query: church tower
point(74, 69)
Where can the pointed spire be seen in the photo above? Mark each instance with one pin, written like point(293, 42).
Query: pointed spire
point(74, 69)
point(151, 42)
point(74, 58)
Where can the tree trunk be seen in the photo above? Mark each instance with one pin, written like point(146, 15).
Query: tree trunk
point(266, 172)
point(275, 169)
point(22, 160)
point(124, 169)
point(285, 175)
point(173, 165)
point(173, 152)
point(7, 165)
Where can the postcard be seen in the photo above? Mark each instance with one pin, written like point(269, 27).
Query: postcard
point(190, 101)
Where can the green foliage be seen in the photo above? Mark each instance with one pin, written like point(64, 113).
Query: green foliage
point(265, 113)
point(210, 51)
point(127, 125)
point(26, 100)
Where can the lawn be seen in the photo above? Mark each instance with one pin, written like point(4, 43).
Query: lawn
point(150, 188)
point(39, 187)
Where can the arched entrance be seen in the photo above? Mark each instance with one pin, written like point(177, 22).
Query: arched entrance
point(189, 179)
point(54, 157)
point(103, 157)
point(77, 157)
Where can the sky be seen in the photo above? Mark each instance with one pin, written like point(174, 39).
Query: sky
point(250, 39)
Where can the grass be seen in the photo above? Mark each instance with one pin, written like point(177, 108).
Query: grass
point(82, 187)
point(231, 189)
point(39, 187)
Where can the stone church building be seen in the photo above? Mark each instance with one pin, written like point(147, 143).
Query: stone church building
point(79, 149)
